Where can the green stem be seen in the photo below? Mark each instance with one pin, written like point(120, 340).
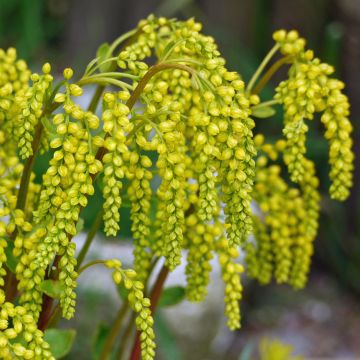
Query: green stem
point(114, 331)
point(104, 81)
point(91, 263)
point(266, 103)
point(125, 338)
point(185, 60)
point(262, 66)
point(90, 69)
point(269, 74)
point(89, 239)
point(113, 74)
point(95, 99)
point(119, 40)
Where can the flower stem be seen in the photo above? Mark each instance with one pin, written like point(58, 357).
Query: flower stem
point(118, 41)
point(104, 81)
point(268, 75)
point(95, 99)
point(262, 66)
point(114, 331)
point(90, 237)
point(266, 103)
point(126, 337)
point(91, 263)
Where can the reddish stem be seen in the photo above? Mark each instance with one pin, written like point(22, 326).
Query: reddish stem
point(47, 303)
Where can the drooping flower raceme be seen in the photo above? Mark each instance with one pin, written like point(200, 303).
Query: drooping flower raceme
point(169, 134)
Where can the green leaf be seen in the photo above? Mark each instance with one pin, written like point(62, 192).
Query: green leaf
point(102, 54)
point(11, 260)
point(263, 112)
point(102, 50)
point(123, 292)
point(168, 345)
point(60, 341)
point(52, 288)
point(172, 296)
point(100, 338)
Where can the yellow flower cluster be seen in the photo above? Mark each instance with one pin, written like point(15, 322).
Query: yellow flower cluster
point(19, 335)
point(290, 43)
point(338, 130)
point(120, 162)
point(202, 243)
point(31, 104)
point(139, 303)
point(199, 240)
point(231, 275)
point(14, 82)
point(171, 165)
point(140, 196)
point(287, 223)
point(309, 90)
point(66, 185)
point(116, 123)
point(208, 105)
point(3, 258)
point(67, 277)
point(176, 140)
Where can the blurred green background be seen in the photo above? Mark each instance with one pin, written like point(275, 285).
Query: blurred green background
point(68, 32)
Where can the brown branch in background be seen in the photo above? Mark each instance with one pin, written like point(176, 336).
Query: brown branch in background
point(47, 303)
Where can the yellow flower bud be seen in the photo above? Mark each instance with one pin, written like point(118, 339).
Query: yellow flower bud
point(68, 73)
